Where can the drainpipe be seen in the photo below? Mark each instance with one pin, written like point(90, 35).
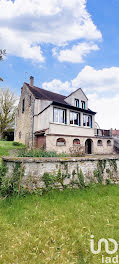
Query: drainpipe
point(33, 122)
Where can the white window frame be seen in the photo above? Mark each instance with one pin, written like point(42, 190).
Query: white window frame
point(87, 121)
point(59, 109)
point(75, 102)
point(83, 104)
point(73, 118)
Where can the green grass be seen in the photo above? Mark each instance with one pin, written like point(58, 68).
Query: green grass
point(5, 146)
point(40, 153)
point(56, 228)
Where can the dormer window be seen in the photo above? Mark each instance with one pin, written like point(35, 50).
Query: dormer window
point(76, 103)
point(83, 104)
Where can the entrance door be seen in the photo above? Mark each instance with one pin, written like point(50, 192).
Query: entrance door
point(88, 146)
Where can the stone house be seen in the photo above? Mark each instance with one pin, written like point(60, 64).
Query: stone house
point(59, 123)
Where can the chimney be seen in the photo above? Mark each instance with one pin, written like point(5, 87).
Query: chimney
point(31, 81)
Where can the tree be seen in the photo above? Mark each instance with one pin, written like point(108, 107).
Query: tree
point(2, 54)
point(7, 110)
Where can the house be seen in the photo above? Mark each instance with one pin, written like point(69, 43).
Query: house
point(115, 133)
point(59, 123)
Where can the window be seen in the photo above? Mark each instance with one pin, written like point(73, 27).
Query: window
point(77, 103)
point(74, 119)
point(99, 143)
point(108, 142)
point(87, 121)
point(23, 105)
point(59, 116)
point(76, 141)
point(19, 134)
point(60, 142)
point(83, 104)
point(30, 101)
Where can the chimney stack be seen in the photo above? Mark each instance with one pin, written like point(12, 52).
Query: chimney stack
point(31, 81)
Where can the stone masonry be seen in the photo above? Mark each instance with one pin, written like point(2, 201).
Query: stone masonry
point(34, 168)
point(24, 120)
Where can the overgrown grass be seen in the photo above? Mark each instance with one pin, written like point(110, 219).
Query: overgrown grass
point(40, 153)
point(6, 146)
point(56, 228)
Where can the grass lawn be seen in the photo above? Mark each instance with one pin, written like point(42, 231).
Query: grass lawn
point(5, 146)
point(56, 228)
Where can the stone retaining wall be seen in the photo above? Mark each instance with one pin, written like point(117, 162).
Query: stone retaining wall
point(34, 169)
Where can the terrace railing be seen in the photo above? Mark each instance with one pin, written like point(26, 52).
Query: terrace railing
point(103, 133)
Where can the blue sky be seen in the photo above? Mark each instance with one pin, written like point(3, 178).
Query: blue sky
point(64, 45)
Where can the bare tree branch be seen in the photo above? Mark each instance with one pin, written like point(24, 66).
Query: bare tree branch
point(2, 53)
point(8, 102)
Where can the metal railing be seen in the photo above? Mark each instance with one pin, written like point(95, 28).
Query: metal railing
point(103, 133)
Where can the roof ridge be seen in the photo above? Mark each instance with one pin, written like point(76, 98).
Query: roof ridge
point(76, 91)
point(45, 90)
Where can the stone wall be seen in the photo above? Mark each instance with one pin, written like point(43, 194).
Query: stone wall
point(24, 120)
point(68, 148)
point(34, 169)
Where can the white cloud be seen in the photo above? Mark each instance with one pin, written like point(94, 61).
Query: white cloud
point(56, 86)
point(102, 89)
point(76, 54)
point(106, 79)
point(19, 45)
point(107, 110)
point(32, 22)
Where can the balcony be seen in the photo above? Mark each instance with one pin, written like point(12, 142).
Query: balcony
point(103, 133)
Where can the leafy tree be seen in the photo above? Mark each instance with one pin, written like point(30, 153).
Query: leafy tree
point(7, 110)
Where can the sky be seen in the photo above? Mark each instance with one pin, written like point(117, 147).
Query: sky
point(65, 45)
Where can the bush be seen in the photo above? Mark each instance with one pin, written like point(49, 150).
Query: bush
point(16, 143)
point(39, 153)
point(48, 179)
point(81, 182)
point(108, 181)
point(10, 185)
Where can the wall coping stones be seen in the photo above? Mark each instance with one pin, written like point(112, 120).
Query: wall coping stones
point(59, 159)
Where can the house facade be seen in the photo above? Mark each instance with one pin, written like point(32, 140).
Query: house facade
point(59, 123)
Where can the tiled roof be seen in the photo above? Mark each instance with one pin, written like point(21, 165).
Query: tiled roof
point(115, 132)
point(43, 94)
point(57, 99)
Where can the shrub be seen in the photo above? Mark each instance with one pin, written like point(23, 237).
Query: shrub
point(48, 179)
point(108, 181)
point(81, 182)
point(10, 185)
point(18, 144)
point(39, 153)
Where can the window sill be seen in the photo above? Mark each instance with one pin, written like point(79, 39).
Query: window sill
point(72, 125)
point(58, 123)
point(69, 125)
point(60, 145)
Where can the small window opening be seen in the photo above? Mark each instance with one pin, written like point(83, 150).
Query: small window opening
point(76, 141)
point(60, 142)
point(99, 143)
